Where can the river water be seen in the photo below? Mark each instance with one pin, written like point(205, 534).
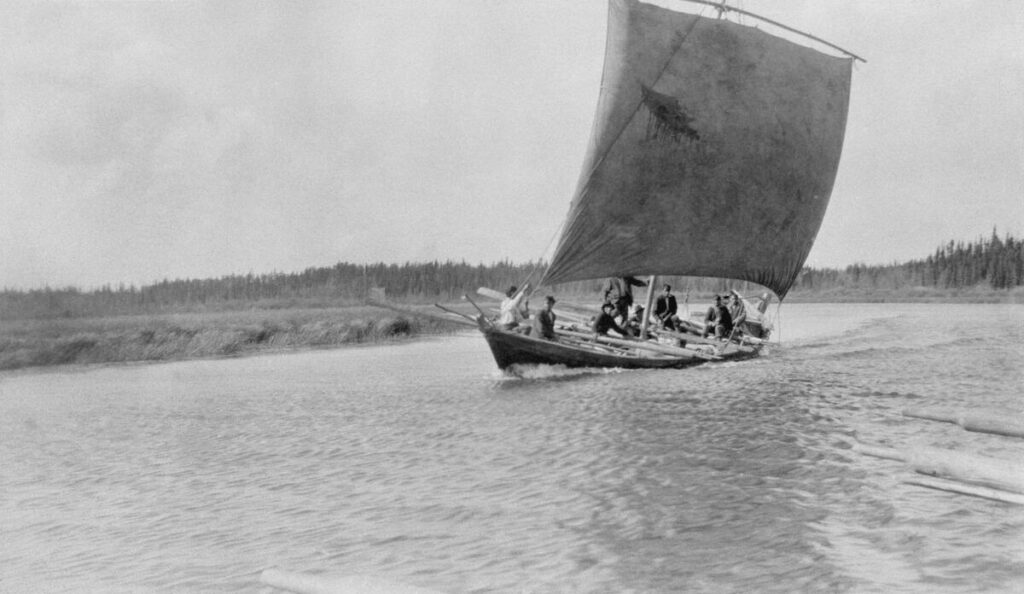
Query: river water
point(421, 463)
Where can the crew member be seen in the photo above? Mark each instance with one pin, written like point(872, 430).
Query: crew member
point(544, 320)
point(512, 310)
point(619, 293)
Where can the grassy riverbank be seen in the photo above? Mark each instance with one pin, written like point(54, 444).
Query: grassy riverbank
point(176, 336)
point(233, 331)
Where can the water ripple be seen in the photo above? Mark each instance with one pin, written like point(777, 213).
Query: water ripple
point(393, 461)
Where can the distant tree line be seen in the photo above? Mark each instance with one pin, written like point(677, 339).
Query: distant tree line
point(993, 262)
point(341, 284)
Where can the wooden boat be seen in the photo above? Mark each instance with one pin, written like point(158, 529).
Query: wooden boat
point(572, 350)
point(713, 153)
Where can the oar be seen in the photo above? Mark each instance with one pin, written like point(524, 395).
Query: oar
point(483, 316)
point(491, 293)
point(423, 314)
point(571, 340)
point(458, 313)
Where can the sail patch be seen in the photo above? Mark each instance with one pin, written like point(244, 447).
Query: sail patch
point(667, 119)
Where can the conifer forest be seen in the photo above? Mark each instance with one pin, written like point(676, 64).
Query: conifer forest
point(995, 263)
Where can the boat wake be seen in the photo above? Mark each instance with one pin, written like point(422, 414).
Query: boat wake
point(520, 372)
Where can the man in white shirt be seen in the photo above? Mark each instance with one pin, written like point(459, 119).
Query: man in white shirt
point(511, 313)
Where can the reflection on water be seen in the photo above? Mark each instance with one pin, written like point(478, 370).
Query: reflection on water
point(422, 463)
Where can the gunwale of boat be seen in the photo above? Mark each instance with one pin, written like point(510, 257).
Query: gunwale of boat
point(511, 348)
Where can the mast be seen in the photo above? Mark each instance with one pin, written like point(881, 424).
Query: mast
point(647, 308)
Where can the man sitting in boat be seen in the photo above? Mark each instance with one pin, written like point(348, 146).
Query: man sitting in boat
point(511, 311)
point(665, 309)
point(606, 321)
point(737, 311)
point(619, 293)
point(636, 320)
point(544, 320)
point(718, 319)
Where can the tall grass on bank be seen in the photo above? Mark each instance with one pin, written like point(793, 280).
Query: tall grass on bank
point(163, 337)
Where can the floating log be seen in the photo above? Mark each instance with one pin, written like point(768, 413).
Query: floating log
point(312, 583)
point(963, 489)
point(996, 473)
point(1010, 425)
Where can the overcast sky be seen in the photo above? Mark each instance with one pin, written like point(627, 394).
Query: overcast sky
point(150, 140)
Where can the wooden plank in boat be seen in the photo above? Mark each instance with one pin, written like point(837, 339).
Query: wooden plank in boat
point(648, 346)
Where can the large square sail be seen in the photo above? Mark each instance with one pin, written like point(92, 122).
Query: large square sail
point(713, 152)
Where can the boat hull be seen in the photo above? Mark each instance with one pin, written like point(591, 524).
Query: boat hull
point(512, 348)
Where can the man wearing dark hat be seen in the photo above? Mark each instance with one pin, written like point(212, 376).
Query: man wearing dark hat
point(606, 321)
point(665, 308)
point(544, 321)
point(718, 319)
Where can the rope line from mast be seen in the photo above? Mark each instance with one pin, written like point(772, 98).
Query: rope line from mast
point(722, 7)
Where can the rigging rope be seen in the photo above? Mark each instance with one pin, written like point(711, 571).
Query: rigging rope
point(536, 266)
point(720, 6)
